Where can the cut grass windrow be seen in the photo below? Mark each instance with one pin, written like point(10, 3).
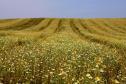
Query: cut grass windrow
point(114, 28)
point(51, 29)
point(2, 21)
point(97, 30)
point(118, 24)
point(100, 25)
point(46, 24)
point(59, 28)
point(75, 29)
point(11, 23)
point(24, 24)
point(112, 43)
point(31, 23)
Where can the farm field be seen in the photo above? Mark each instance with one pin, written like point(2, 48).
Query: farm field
point(63, 51)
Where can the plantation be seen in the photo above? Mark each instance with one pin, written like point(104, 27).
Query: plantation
point(63, 51)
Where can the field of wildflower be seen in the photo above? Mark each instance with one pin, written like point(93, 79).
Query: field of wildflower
point(63, 51)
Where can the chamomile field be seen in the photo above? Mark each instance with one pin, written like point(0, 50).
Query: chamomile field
point(63, 51)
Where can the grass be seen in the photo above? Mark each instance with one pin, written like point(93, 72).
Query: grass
point(62, 51)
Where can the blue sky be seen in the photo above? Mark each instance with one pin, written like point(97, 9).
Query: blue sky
point(62, 8)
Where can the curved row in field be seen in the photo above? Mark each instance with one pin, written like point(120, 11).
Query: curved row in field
point(101, 25)
point(23, 24)
point(50, 29)
point(120, 45)
point(114, 28)
point(59, 28)
point(120, 24)
point(6, 20)
point(10, 23)
point(105, 25)
point(98, 29)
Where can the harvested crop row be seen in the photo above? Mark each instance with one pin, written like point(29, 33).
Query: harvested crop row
point(50, 30)
point(119, 21)
point(75, 28)
point(109, 25)
point(26, 23)
point(114, 43)
point(64, 26)
point(2, 21)
point(30, 23)
point(11, 23)
point(115, 30)
point(105, 28)
point(59, 28)
point(120, 24)
point(40, 26)
point(45, 24)
point(95, 30)
point(79, 29)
